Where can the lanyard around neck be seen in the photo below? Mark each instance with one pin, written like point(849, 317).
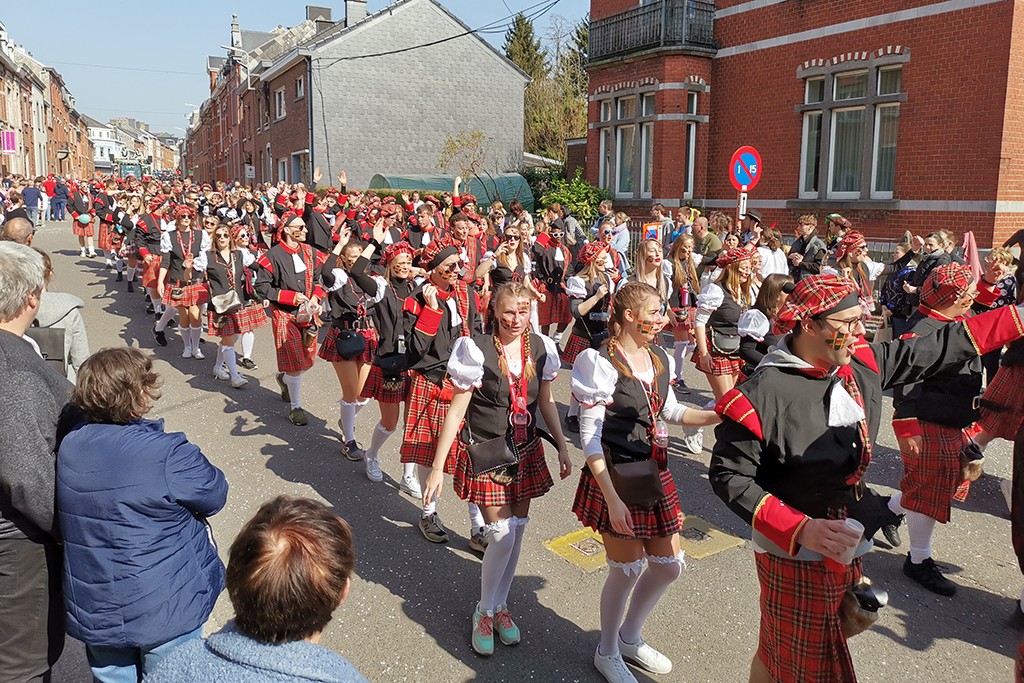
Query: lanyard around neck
point(518, 402)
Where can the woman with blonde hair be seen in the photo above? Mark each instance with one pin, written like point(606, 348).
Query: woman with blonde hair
point(182, 273)
point(682, 303)
point(719, 307)
point(501, 380)
point(626, 399)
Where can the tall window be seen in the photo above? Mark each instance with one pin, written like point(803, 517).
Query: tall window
point(300, 88)
point(849, 131)
point(279, 104)
point(625, 153)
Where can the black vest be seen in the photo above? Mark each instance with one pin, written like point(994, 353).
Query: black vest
point(627, 419)
point(586, 326)
point(726, 317)
point(488, 412)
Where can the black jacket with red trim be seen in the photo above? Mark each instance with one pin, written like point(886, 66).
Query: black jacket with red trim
point(148, 233)
point(948, 397)
point(546, 268)
point(277, 281)
point(430, 333)
point(319, 232)
point(81, 203)
point(105, 207)
point(387, 316)
point(776, 461)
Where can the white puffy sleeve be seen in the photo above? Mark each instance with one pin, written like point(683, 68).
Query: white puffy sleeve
point(466, 364)
point(593, 379)
point(668, 269)
point(754, 323)
point(382, 288)
point(340, 280)
point(527, 265)
point(247, 257)
point(575, 288)
point(552, 362)
point(165, 242)
point(200, 262)
point(708, 301)
point(874, 269)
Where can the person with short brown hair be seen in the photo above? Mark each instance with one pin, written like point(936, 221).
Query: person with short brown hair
point(289, 568)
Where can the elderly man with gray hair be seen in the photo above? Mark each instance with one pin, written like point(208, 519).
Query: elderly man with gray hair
point(34, 396)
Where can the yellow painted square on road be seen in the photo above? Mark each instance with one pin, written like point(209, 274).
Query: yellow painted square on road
point(582, 548)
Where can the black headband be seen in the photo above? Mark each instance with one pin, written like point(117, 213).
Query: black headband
point(440, 257)
point(848, 301)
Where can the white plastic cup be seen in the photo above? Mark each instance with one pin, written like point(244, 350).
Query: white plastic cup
point(847, 557)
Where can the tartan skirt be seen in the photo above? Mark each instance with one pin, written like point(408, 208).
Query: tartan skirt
point(251, 318)
point(151, 272)
point(802, 637)
point(194, 294)
point(574, 347)
point(686, 319)
point(106, 238)
point(329, 352)
point(376, 389)
point(720, 365)
point(293, 354)
point(424, 416)
point(660, 521)
point(554, 310)
point(83, 230)
point(1005, 390)
point(932, 480)
point(533, 481)
point(223, 325)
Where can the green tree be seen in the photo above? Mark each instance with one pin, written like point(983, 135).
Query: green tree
point(581, 197)
point(524, 49)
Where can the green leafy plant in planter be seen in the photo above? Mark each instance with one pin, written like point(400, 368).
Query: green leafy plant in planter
point(579, 196)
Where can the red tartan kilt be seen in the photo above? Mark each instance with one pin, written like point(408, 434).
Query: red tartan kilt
point(151, 273)
point(83, 230)
point(1005, 389)
point(375, 389)
point(194, 295)
point(329, 352)
point(686, 319)
point(106, 238)
point(424, 416)
point(801, 637)
point(292, 354)
point(223, 325)
point(533, 481)
point(660, 521)
point(931, 480)
point(574, 347)
point(553, 311)
point(720, 365)
point(251, 318)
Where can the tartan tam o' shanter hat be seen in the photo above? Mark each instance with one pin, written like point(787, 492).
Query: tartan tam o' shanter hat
point(817, 296)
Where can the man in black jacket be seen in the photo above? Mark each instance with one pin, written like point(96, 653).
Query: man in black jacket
point(31, 608)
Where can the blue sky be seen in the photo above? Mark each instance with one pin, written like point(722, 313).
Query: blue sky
point(177, 37)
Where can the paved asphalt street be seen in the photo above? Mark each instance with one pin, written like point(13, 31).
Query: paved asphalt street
point(408, 615)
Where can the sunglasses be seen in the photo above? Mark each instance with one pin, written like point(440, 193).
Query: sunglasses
point(449, 270)
point(607, 232)
point(297, 227)
point(511, 238)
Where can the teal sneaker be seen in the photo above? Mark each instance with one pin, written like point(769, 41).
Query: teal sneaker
point(483, 632)
point(508, 632)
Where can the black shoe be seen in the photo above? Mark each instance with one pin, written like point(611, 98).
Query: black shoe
point(285, 395)
point(161, 337)
point(150, 309)
point(572, 424)
point(892, 533)
point(120, 277)
point(298, 417)
point(680, 387)
point(131, 287)
point(929, 576)
point(247, 364)
point(172, 323)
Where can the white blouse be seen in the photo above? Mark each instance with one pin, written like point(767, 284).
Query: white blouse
point(466, 364)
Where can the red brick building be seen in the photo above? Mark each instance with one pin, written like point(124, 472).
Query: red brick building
point(901, 116)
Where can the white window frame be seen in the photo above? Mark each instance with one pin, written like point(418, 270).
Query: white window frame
point(646, 131)
point(619, 166)
point(279, 105)
point(282, 170)
point(693, 97)
point(832, 154)
point(691, 152)
point(804, 139)
point(875, 150)
point(855, 72)
point(300, 88)
point(807, 89)
point(604, 136)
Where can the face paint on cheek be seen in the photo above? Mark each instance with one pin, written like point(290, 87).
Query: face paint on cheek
point(645, 326)
point(508, 321)
point(837, 340)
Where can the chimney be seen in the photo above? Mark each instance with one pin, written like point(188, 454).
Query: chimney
point(355, 11)
point(321, 16)
point(236, 33)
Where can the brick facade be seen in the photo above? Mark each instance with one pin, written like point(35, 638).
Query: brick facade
point(286, 137)
point(959, 155)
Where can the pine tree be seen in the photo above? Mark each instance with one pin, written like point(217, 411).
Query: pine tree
point(524, 49)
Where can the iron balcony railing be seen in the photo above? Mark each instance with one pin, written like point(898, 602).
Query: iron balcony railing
point(665, 23)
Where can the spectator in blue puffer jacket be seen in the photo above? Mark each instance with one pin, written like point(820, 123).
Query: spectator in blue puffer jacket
point(141, 571)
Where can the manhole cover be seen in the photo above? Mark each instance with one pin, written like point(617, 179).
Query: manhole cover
point(588, 547)
point(694, 535)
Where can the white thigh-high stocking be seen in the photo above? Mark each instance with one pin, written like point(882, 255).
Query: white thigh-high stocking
point(622, 576)
point(661, 572)
point(496, 558)
point(501, 596)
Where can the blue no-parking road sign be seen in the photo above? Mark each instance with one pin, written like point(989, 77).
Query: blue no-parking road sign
point(745, 168)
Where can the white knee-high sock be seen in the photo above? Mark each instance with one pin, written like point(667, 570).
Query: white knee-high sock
point(186, 336)
point(219, 360)
point(408, 469)
point(380, 435)
point(248, 340)
point(895, 504)
point(131, 274)
point(678, 354)
point(920, 527)
point(230, 359)
point(120, 265)
point(505, 585)
point(661, 572)
point(294, 384)
point(348, 420)
point(431, 507)
point(195, 332)
point(622, 576)
point(360, 404)
point(476, 518)
point(165, 318)
point(496, 558)
point(574, 406)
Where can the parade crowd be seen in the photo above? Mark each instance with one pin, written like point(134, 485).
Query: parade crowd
point(466, 316)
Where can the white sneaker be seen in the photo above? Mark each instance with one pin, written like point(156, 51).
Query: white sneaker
point(644, 656)
point(198, 354)
point(238, 382)
point(693, 440)
point(222, 373)
point(373, 472)
point(410, 486)
point(83, 252)
point(613, 668)
point(187, 353)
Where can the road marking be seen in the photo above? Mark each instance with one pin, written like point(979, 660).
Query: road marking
point(698, 539)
